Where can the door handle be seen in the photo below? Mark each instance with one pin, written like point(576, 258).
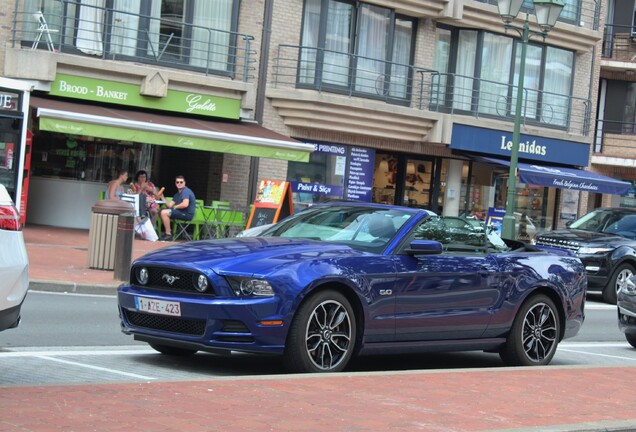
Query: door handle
point(484, 272)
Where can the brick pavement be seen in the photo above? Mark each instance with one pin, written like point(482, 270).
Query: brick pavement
point(553, 398)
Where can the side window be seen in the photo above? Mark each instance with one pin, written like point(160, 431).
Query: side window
point(454, 234)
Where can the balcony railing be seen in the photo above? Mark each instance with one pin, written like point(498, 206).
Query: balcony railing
point(619, 43)
point(615, 138)
point(424, 89)
point(108, 33)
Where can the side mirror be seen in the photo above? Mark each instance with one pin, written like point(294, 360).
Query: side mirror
point(424, 247)
point(568, 223)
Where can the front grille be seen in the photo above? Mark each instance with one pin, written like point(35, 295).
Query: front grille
point(559, 244)
point(182, 280)
point(194, 327)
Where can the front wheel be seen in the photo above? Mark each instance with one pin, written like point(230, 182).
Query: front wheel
point(534, 336)
point(172, 351)
point(322, 335)
point(619, 278)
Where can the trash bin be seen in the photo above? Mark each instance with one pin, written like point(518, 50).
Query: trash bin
point(102, 236)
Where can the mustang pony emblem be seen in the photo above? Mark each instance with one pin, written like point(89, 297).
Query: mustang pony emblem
point(169, 278)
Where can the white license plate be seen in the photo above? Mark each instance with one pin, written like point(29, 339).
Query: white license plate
point(160, 307)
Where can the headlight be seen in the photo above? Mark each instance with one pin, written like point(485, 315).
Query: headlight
point(201, 284)
point(630, 286)
point(142, 275)
point(250, 287)
point(593, 250)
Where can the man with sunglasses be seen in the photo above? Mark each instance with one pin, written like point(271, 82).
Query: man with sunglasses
point(181, 207)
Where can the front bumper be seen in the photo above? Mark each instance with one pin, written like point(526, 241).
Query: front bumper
point(206, 323)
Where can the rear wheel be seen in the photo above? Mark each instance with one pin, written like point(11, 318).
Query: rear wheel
point(168, 350)
point(631, 339)
point(534, 336)
point(619, 278)
point(322, 335)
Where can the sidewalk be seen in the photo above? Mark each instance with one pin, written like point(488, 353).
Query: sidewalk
point(553, 398)
point(58, 260)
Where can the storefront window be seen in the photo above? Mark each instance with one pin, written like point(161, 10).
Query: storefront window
point(534, 204)
point(417, 187)
point(319, 179)
point(9, 152)
point(86, 158)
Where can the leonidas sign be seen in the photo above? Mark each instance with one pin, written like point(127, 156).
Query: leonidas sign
point(100, 90)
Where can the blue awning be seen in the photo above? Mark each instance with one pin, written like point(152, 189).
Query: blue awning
point(565, 178)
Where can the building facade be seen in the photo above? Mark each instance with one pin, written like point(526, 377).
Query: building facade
point(613, 152)
point(403, 102)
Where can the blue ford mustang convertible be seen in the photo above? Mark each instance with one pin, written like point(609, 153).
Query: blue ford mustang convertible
point(345, 279)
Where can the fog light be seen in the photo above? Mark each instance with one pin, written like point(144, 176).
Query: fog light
point(202, 283)
point(142, 276)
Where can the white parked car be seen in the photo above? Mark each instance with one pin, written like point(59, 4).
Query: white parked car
point(254, 231)
point(14, 263)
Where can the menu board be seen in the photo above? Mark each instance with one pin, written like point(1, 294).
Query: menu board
point(273, 202)
point(360, 177)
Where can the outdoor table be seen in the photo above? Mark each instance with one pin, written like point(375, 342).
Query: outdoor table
point(220, 220)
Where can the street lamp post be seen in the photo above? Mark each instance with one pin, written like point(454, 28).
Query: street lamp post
point(547, 13)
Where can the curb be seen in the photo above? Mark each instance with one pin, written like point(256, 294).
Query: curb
point(73, 287)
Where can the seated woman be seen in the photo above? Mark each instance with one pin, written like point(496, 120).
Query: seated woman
point(115, 188)
point(145, 187)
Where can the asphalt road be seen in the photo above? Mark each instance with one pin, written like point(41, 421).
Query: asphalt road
point(73, 339)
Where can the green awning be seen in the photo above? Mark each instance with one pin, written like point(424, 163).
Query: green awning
point(247, 139)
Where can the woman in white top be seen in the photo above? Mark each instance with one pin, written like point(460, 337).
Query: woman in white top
point(115, 189)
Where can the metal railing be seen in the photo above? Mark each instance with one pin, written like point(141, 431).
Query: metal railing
point(108, 33)
point(581, 13)
point(619, 43)
point(424, 89)
point(615, 138)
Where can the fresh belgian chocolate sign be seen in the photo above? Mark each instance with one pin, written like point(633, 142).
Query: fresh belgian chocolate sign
point(100, 90)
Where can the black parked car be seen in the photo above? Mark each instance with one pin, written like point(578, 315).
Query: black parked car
point(605, 240)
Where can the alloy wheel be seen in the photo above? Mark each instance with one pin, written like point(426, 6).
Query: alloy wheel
point(328, 335)
point(539, 332)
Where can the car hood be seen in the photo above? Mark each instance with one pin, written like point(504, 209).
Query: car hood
point(586, 237)
point(255, 255)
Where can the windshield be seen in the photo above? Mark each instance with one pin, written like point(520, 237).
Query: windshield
point(609, 221)
point(364, 228)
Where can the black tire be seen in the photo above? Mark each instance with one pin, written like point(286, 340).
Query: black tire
point(322, 335)
point(631, 339)
point(534, 335)
point(172, 351)
point(618, 279)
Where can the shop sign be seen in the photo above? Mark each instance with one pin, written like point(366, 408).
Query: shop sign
point(360, 178)
point(537, 148)
point(9, 101)
point(100, 90)
point(317, 188)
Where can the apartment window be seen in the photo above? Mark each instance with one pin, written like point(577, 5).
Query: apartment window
point(356, 48)
point(196, 33)
point(479, 72)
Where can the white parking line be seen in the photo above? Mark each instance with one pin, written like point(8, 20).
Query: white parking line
point(596, 354)
point(95, 367)
point(77, 353)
